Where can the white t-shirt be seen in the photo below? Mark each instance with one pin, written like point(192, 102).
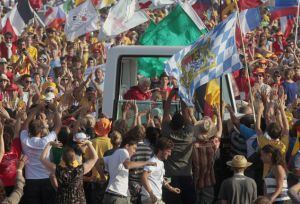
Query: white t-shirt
point(118, 175)
point(33, 147)
point(155, 178)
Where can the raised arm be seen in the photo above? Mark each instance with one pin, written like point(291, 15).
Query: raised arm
point(285, 121)
point(57, 118)
point(258, 119)
point(167, 106)
point(90, 163)
point(219, 121)
point(43, 158)
point(233, 118)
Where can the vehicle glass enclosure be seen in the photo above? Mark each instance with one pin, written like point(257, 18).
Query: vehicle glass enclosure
point(127, 76)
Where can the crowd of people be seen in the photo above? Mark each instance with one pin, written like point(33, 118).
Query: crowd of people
point(57, 145)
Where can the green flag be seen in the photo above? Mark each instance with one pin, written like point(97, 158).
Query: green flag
point(67, 6)
point(175, 29)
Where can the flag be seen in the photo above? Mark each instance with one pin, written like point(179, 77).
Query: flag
point(249, 19)
point(246, 4)
point(55, 16)
point(78, 2)
point(122, 17)
point(201, 6)
point(81, 20)
point(154, 4)
point(16, 20)
point(170, 31)
point(212, 97)
point(210, 57)
point(105, 3)
point(35, 4)
point(284, 8)
point(296, 147)
point(287, 24)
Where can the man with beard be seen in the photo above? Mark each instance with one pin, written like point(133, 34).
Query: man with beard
point(7, 48)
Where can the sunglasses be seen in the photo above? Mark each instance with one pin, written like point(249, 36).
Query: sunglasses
point(260, 76)
point(278, 76)
point(28, 82)
point(49, 90)
point(65, 79)
point(8, 38)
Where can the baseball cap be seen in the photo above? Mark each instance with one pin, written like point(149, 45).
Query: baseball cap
point(4, 77)
point(3, 60)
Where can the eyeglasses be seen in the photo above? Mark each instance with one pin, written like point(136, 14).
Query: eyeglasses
point(28, 82)
point(8, 38)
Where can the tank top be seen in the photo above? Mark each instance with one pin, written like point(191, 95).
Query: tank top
point(270, 185)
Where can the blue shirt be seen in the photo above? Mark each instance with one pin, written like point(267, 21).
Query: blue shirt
point(290, 90)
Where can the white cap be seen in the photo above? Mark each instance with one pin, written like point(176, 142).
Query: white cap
point(3, 60)
point(80, 137)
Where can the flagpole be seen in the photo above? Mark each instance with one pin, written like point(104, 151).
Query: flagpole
point(297, 25)
point(246, 63)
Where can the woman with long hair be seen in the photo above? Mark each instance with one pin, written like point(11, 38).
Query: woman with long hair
point(69, 174)
point(276, 187)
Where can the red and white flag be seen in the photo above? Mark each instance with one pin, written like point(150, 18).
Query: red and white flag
point(154, 4)
point(16, 20)
point(286, 24)
point(55, 16)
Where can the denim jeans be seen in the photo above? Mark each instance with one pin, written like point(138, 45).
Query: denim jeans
point(205, 195)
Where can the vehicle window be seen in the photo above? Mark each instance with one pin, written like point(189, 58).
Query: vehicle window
point(142, 79)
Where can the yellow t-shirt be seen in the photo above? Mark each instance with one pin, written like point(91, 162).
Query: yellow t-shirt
point(32, 51)
point(101, 145)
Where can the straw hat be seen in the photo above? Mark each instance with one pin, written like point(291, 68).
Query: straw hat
point(239, 161)
point(205, 129)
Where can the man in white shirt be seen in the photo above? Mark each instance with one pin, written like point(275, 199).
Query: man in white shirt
point(118, 165)
point(153, 176)
point(38, 188)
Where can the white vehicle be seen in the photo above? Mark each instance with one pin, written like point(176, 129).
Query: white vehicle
point(121, 74)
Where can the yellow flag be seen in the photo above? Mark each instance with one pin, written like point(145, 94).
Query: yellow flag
point(212, 96)
point(78, 2)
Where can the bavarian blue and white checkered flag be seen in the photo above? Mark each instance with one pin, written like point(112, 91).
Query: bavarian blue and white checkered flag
point(213, 55)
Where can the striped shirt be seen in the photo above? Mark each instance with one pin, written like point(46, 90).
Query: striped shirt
point(203, 160)
point(143, 153)
point(270, 185)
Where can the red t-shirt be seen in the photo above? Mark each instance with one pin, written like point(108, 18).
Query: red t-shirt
point(134, 93)
point(8, 165)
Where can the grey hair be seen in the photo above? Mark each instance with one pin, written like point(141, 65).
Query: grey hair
point(145, 80)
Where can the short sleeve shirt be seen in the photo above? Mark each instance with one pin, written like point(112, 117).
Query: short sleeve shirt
point(33, 147)
point(118, 174)
point(155, 178)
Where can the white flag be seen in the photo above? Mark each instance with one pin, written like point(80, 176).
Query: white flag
point(154, 4)
point(121, 18)
point(81, 20)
